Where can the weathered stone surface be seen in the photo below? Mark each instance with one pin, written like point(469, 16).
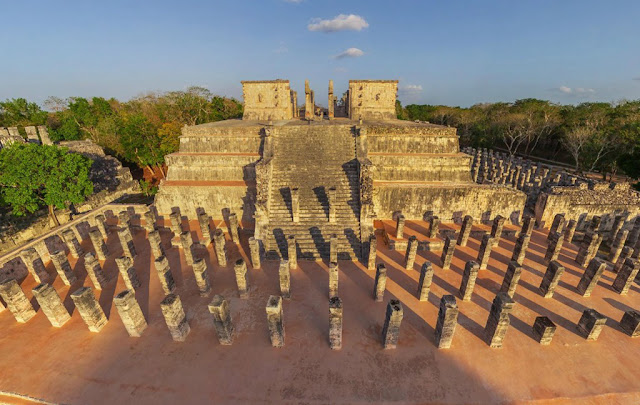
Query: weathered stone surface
point(551, 279)
point(175, 225)
point(410, 255)
point(434, 224)
point(95, 272)
point(465, 230)
point(380, 282)
point(400, 226)
point(16, 301)
point(626, 276)
point(63, 267)
point(164, 275)
point(630, 323)
point(130, 313)
point(499, 320)
point(242, 278)
point(254, 247)
point(447, 252)
point(485, 251)
point(155, 242)
point(205, 228)
point(35, 265)
point(520, 248)
point(295, 204)
point(284, 276)
point(335, 323)
point(89, 308)
point(496, 229)
point(392, 321)
point(98, 244)
point(591, 324)
point(569, 230)
point(126, 241)
point(424, 284)
point(124, 219)
point(275, 321)
point(72, 243)
point(150, 221)
point(511, 279)
point(589, 248)
point(51, 304)
point(101, 224)
point(202, 277)
point(292, 252)
point(175, 317)
point(221, 251)
point(554, 247)
point(333, 248)
point(233, 227)
point(617, 245)
point(469, 280)
point(222, 322)
point(626, 253)
point(527, 225)
point(447, 321)
point(372, 99)
point(128, 272)
point(543, 330)
point(557, 225)
point(590, 277)
point(373, 252)
point(187, 247)
point(267, 100)
point(334, 277)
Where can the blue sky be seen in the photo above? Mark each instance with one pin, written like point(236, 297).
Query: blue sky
point(443, 52)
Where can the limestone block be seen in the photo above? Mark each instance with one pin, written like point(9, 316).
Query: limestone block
point(335, 323)
point(275, 321)
point(551, 279)
point(499, 320)
point(569, 231)
point(130, 313)
point(60, 262)
point(333, 203)
point(155, 242)
point(447, 252)
point(128, 272)
point(124, 219)
point(373, 252)
point(520, 248)
point(254, 247)
point(202, 277)
point(589, 248)
point(591, 324)
point(465, 230)
point(496, 229)
point(222, 322)
point(164, 275)
point(175, 225)
point(469, 280)
point(175, 317)
point(380, 282)
point(410, 255)
point(35, 265)
point(242, 278)
point(44, 135)
point(101, 224)
point(98, 244)
point(233, 227)
point(434, 224)
point(205, 227)
point(626, 253)
point(485, 251)
point(590, 277)
point(554, 247)
point(527, 225)
point(126, 241)
point(72, 243)
point(334, 276)
point(187, 246)
point(89, 308)
point(295, 204)
point(626, 276)
point(333, 248)
point(447, 321)
point(221, 251)
point(400, 226)
point(543, 330)
point(94, 271)
point(557, 225)
point(150, 221)
point(511, 279)
point(617, 245)
point(426, 276)
point(392, 322)
point(16, 301)
point(292, 252)
point(630, 323)
point(284, 276)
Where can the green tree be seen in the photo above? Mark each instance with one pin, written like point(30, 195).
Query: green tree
point(33, 176)
point(20, 112)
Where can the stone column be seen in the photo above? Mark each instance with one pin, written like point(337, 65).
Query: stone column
point(59, 259)
point(335, 323)
point(89, 308)
point(434, 224)
point(591, 276)
point(447, 321)
point(187, 246)
point(254, 247)
point(219, 243)
point(589, 248)
point(333, 248)
point(72, 243)
point(632, 239)
point(94, 271)
point(219, 308)
point(557, 225)
point(333, 203)
point(400, 226)
point(164, 275)
point(155, 242)
point(551, 279)
point(284, 275)
point(130, 313)
point(128, 272)
point(233, 227)
point(626, 253)
point(16, 301)
point(447, 252)
point(520, 248)
point(295, 204)
point(594, 225)
point(554, 247)
point(543, 330)
point(511, 279)
point(51, 304)
point(149, 221)
point(392, 321)
point(202, 277)
point(101, 224)
point(498, 321)
point(625, 276)
point(410, 255)
point(175, 317)
point(591, 324)
point(98, 244)
point(205, 227)
point(334, 272)
point(465, 230)
point(35, 265)
point(630, 323)
point(126, 240)
point(569, 230)
point(485, 251)
point(469, 280)
point(527, 225)
point(496, 229)
point(124, 219)
point(275, 321)
point(617, 245)
point(426, 276)
point(176, 228)
point(373, 252)
point(380, 282)
point(242, 278)
point(292, 251)
point(330, 101)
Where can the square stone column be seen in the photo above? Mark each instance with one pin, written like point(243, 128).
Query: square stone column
point(392, 321)
point(400, 226)
point(543, 330)
point(630, 323)
point(335, 323)
point(186, 242)
point(275, 321)
point(130, 313)
point(617, 245)
point(242, 278)
point(334, 277)
point(447, 252)
point(632, 239)
point(284, 275)
point(219, 308)
point(485, 251)
point(98, 244)
point(219, 242)
point(155, 242)
point(569, 230)
point(333, 248)
point(527, 225)
point(626, 276)
point(51, 304)
point(333, 203)
point(164, 275)
point(128, 272)
point(205, 227)
point(101, 224)
point(498, 321)
point(72, 243)
point(254, 247)
point(61, 263)
point(202, 277)
point(426, 276)
point(233, 228)
point(373, 252)
point(176, 228)
point(520, 248)
point(434, 225)
point(551, 279)
point(292, 252)
point(18, 303)
point(591, 324)
point(511, 279)
point(175, 317)
point(589, 248)
point(557, 225)
point(447, 321)
point(35, 265)
point(149, 221)
point(124, 219)
point(410, 255)
point(89, 309)
point(590, 277)
point(465, 230)
point(95, 272)
point(380, 282)
point(496, 229)
point(126, 240)
point(469, 280)
point(295, 204)
point(554, 247)
point(626, 253)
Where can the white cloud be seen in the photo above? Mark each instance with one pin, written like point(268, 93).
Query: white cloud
point(411, 89)
point(576, 91)
point(341, 22)
point(349, 53)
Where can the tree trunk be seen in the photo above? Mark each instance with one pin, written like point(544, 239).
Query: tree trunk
point(52, 215)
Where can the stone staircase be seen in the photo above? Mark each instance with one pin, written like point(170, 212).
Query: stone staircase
point(314, 158)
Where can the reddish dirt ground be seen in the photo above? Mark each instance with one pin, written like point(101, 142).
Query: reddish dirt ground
point(75, 366)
